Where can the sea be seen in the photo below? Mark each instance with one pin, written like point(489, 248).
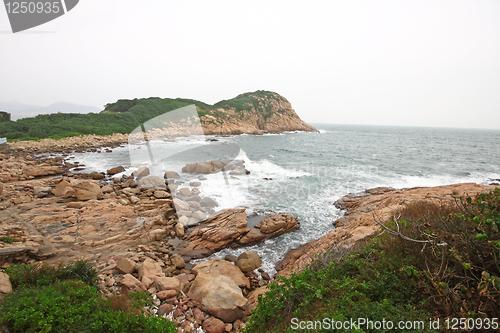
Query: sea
point(304, 173)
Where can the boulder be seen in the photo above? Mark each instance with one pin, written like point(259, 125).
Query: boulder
point(5, 285)
point(184, 220)
point(86, 189)
point(218, 295)
point(166, 294)
point(216, 266)
point(64, 190)
point(167, 283)
point(179, 230)
point(254, 236)
point(114, 171)
point(199, 215)
point(164, 309)
point(181, 204)
point(208, 202)
point(141, 172)
point(177, 261)
point(213, 325)
point(41, 191)
point(185, 191)
point(162, 195)
point(126, 266)
point(204, 167)
point(248, 261)
point(149, 271)
point(276, 225)
point(131, 283)
point(152, 182)
point(216, 232)
point(195, 184)
point(1, 188)
point(171, 175)
point(96, 175)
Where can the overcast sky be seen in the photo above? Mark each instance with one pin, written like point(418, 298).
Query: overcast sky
point(415, 63)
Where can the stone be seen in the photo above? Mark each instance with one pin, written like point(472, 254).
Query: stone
point(184, 220)
point(248, 261)
point(164, 309)
point(167, 283)
point(195, 191)
point(181, 204)
point(165, 294)
point(86, 189)
point(1, 188)
point(64, 190)
point(276, 225)
point(208, 202)
point(199, 215)
point(134, 199)
point(41, 191)
point(204, 167)
point(5, 285)
point(198, 315)
point(171, 175)
point(213, 325)
point(107, 189)
point(195, 184)
point(151, 182)
point(179, 230)
point(254, 236)
point(148, 271)
point(177, 261)
point(185, 191)
point(216, 266)
point(115, 170)
point(253, 296)
point(141, 172)
point(130, 282)
point(231, 258)
point(216, 232)
point(218, 295)
point(162, 195)
point(96, 175)
point(126, 266)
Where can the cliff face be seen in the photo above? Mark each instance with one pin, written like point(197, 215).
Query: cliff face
point(252, 113)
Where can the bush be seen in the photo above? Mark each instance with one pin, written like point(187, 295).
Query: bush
point(72, 306)
point(42, 275)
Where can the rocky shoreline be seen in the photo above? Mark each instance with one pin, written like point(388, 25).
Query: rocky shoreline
point(140, 231)
point(143, 231)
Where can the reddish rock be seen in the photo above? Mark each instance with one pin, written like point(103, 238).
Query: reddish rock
point(167, 283)
point(130, 282)
point(126, 266)
point(5, 285)
point(216, 266)
point(248, 261)
point(198, 315)
point(165, 294)
point(86, 189)
point(178, 312)
point(64, 190)
point(218, 295)
point(276, 225)
point(177, 261)
point(164, 309)
point(213, 325)
point(114, 171)
point(148, 271)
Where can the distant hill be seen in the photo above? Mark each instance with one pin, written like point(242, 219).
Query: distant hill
point(257, 112)
point(19, 110)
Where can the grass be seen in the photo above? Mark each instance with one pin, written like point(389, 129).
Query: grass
point(443, 263)
point(7, 239)
point(67, 299)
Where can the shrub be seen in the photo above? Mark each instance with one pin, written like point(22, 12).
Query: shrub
point(72, 306)
point(7, 239)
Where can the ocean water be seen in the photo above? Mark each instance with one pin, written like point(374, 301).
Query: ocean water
point(307, 172)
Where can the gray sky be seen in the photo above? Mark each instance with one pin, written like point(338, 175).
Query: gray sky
point(415, 63)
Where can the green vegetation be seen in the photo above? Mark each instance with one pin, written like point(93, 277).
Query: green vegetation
point(7, 239)
point(4, 116)
point(65, 299)
point(122, 116)
point(433, 261)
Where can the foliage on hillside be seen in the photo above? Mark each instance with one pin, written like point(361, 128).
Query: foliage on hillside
point(434, 261)
point(123, 116)
point(4, 116)
point(65, 299)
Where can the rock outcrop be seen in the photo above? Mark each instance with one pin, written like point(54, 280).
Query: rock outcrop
point(358, 221)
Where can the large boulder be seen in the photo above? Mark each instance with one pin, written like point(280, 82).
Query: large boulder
point(216, 266)
point(204, 167)
point(5, 285)
point(141, 172)
point(126, 266)
point(86, 189)
point(64, 190)
point(216, 232)
point(151, 182)
point(171, 175)
point(220, 296)
point(248, 261)
point(114, 171)
point(41, 191)
point(149, 271)
point(276, 225)
point(131, 283)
